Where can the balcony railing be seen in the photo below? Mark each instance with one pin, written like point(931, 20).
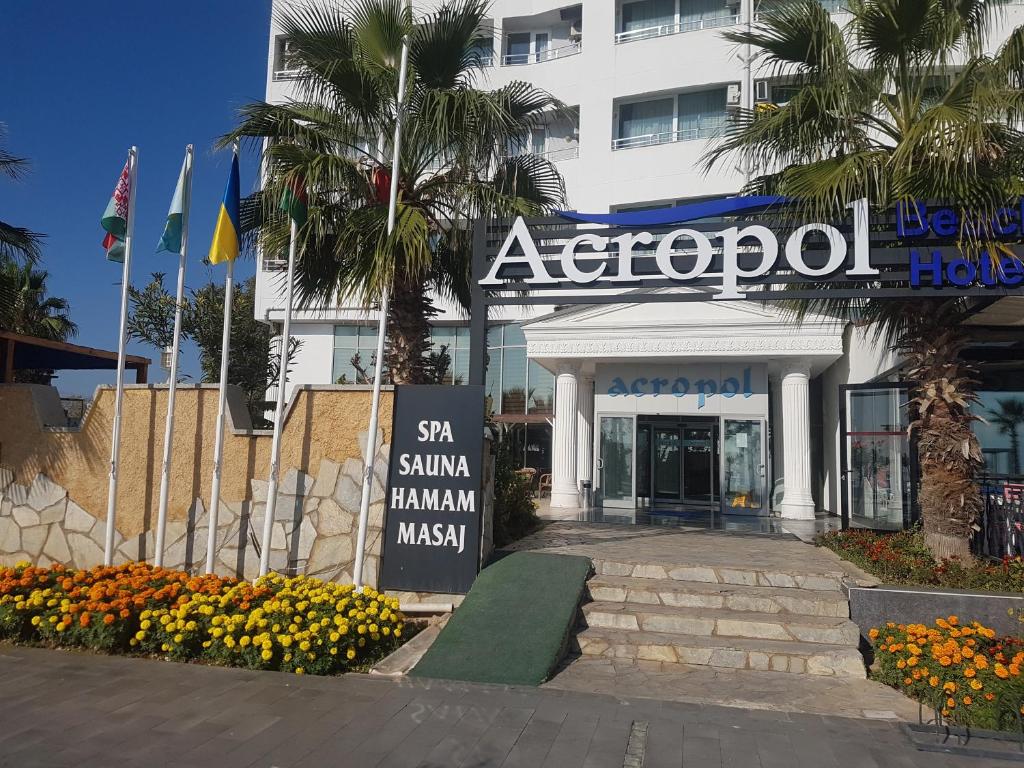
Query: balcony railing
point(667, 137)
point(661, 30)
point(557, 155)
point(562, 51)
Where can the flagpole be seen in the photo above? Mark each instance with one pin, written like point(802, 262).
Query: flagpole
point(115, 447)
point(218, 447)
point(382, 324)
point(282, 378)
point(165, 476)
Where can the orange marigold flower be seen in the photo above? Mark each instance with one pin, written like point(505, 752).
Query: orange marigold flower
point(1001, 672)
point(989, 696)
point(873, 633)
point(967, 700)
point(84, 619)
point(970, 672)
point(951, 703)
point(108, 619)
point(933, 681)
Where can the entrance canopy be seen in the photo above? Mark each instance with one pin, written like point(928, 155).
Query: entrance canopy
point(19, 352)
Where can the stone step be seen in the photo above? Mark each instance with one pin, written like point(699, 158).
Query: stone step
point(735, 597)
point(818, 580)
point(722, 652)
point(706, 622)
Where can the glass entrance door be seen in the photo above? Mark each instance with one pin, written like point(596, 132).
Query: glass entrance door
point(700, 463)
point(667, 463)
point(743, 467)
point(615, 462)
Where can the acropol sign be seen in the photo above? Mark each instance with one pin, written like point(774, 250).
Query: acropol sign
point(686, 254)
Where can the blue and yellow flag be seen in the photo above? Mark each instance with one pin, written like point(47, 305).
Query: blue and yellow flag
point(225, 237)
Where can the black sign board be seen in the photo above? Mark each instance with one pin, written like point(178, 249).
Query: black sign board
point(433, 504)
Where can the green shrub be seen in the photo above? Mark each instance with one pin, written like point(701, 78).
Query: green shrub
point(903, 558)
point(515, 513)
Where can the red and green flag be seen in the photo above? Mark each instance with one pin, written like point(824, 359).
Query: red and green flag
point(115, 218)
point(294, 200)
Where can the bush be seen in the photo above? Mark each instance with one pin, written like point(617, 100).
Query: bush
point(515, 513)
point(903, 558)
point(965, 672)
point(296, 624)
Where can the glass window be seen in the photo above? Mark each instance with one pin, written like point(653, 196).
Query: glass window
point(698, 14)
point(455, 341)
point(541, 390)
point(517, 49)
point(483, 49)
point(1000, 434)
point(513, 380)
point(702, 114)
point(354, 349)
point(647, 118)
point(878, 473)
point(648, 14)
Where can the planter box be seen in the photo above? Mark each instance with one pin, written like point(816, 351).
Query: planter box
point(874, 606)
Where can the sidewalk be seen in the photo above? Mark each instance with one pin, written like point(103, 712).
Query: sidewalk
point(71, 709)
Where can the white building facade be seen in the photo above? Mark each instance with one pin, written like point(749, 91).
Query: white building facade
point(594, 396)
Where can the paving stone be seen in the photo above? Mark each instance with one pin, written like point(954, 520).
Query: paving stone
point(10, 535)
point(6, 478)
point(348, 491)
point(326, 478)
point(6, 507)
point(33, 538)
point(295, 483)
point(733, 576)
point(332, 520)
point(690, 573)
point(56, 546)
point(25, 516)
point(77, 519)
point(44, 493)
point(330, 552)
point(85, 552)
point(54, 513)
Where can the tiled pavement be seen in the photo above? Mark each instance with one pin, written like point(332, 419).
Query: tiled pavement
point(72, 709)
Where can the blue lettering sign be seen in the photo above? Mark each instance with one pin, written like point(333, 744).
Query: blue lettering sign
point(705, 389)
point(931, 271)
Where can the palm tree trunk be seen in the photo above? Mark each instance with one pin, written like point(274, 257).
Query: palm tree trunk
point(408, 332)
point(1015, 447)
point(949, 453)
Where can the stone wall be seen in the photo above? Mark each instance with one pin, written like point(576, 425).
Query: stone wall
point(53, 481)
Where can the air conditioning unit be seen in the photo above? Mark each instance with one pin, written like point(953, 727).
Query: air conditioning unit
point(762, 91)
point(733, 96)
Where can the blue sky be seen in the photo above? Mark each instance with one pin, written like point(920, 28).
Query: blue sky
point(82, 81)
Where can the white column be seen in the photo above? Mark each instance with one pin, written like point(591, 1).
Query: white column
point(797, 501)
point(563, 463)
point(585, 429)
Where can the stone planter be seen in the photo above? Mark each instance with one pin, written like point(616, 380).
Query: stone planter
point(874, 606)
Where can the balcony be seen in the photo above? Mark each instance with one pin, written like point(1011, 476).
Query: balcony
point(558, 155)
point(667, 137)
point(547, 54)
point(661, 30)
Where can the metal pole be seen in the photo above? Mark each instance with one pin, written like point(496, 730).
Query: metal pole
point(282, 378)
point(172, 386)
point(218, 448)
point(115, 448)
point(382, 325)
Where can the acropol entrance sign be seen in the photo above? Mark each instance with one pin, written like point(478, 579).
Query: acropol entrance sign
point(731, 249)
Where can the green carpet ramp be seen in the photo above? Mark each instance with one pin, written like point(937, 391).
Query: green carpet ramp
point(514, 625)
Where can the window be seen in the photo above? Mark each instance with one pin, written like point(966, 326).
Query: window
point(702, 114)
point(645, 122)
point(515, 385)
point(284, 64)
point(517, 50)
point(358, 343)
point(456, 339)
point(702, 14)
point(648, 14)
point(483, 49)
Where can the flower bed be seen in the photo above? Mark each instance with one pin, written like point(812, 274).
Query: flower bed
point(903, 558)
point(300, 624)
point(968, 674)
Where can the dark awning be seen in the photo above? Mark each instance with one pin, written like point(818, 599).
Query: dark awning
point(19, 352)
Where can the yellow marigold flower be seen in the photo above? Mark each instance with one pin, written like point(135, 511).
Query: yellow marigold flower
point(299, 671)
point(912, 661)
point(244, 640)
point(286, 641)
point(976, 685)
point(1001, 672)
point(949, 687)
point(350, 654)
point(36, 620)
point(179, 638)
point(267, 655)
point(981, 662)
point(304, 645)
point(900, 664)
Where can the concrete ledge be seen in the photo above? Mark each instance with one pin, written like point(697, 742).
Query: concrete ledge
point(874, 606)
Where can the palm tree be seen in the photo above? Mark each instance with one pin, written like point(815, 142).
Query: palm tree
point(900, 103)
point(1008, 418)
point(31, 311)
point(16, 242)
point(335, 137)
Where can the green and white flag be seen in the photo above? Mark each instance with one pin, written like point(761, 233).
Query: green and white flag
point(115, 218)
point(171, 240)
